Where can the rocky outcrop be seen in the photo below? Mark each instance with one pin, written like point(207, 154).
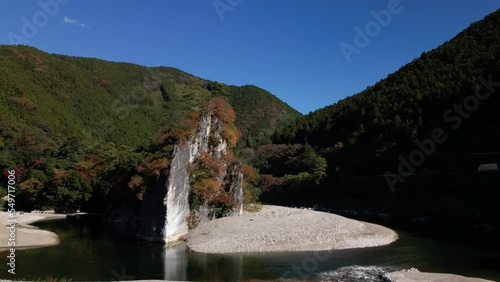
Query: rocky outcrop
point(166, 208)
point(235, 194)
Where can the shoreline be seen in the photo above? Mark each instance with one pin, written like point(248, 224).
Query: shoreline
point(415, 276)
point(349, 234)
point(27, 235)
point(282, 229)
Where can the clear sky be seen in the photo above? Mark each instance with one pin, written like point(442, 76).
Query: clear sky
point(288, 47)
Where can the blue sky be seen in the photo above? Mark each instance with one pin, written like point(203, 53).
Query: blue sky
point(288, 47)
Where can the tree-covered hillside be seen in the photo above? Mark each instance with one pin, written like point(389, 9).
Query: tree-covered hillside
point(364, 133)
point(75, 128)
point(259, 113)
point(411, 144)
point(103, 101)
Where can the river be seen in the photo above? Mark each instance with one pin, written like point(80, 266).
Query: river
point(91, 251)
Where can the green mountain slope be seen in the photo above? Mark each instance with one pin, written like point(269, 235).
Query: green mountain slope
point(75, 130)
point(90, 99)
point(258, 113)
point(101, 101)
point(364, 133)
point(410, 145)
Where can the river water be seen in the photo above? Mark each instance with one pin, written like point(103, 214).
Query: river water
point(91, 251)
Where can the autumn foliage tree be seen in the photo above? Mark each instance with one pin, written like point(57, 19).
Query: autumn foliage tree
point(153, 166)
point(207, 188)
point(137, 184)
point(231, 133)
point(207, 171)
point(251, 190)
point(180, 133)
point(147, 171)
point(212, 165)
point(28, 190)
point(23, 103)
point(220, 108)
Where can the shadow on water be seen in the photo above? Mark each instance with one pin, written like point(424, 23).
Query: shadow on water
point(90, 251)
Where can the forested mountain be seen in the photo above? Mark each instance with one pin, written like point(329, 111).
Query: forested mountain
point(96, 100)
point(386, 118)
point(72, 126)
point(257, 113)
point(75, 128)
point(412, 143)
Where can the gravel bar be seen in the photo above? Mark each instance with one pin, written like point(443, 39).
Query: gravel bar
point(415, 276)
point(27, 236)
point(280, 229)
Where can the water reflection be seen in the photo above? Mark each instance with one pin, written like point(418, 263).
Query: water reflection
point(175, 262)
point(215, 267)
point(92, 252)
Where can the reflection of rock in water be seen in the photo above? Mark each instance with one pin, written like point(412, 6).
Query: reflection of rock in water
point(217, 267)
point(237, 271)
point(357, 273)
point(175, 263)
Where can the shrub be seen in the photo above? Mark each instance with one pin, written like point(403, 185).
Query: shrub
point(219, 107)
point(231, 134)
point(153, 167)
point(207, 188)
point(23, 103)
point(213, 166)
point(135, 181)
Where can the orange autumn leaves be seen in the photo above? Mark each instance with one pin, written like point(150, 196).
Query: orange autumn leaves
point(208, 187)
point(216, 107)
point(206, 183)
point(148, 168)
point(231, 133)
point(187, 127)
point(153, 166)
point(220, 108)
point(213, 166)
